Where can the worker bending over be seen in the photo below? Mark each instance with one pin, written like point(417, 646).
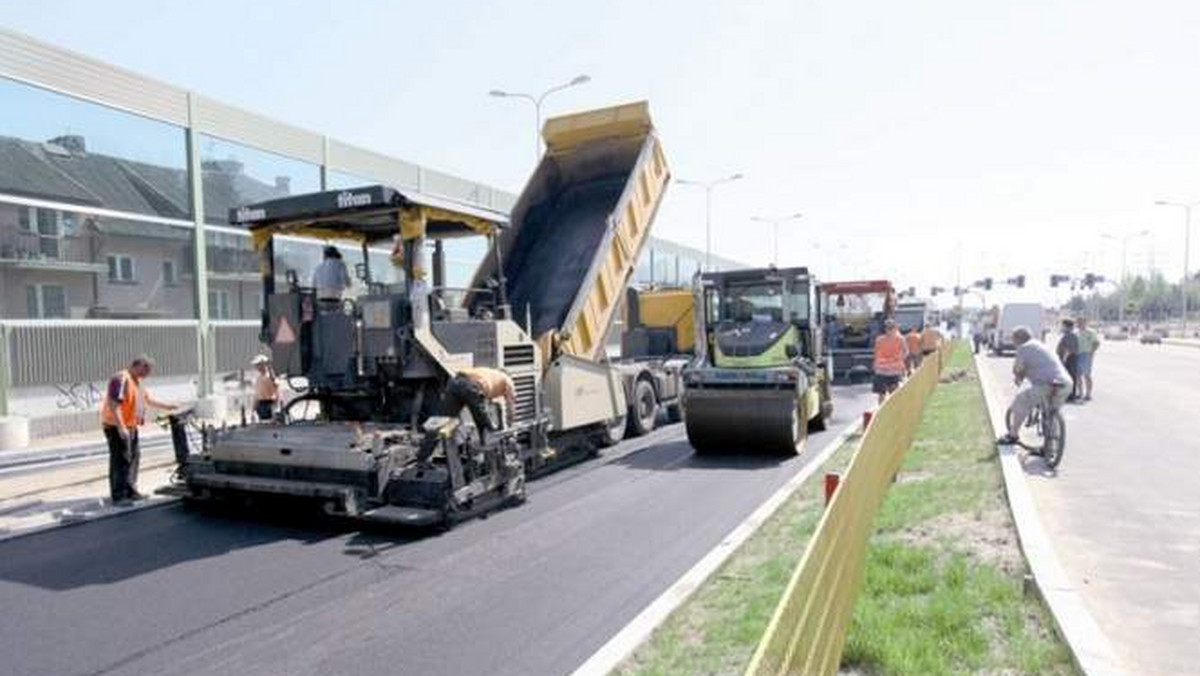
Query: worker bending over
point(472, 389)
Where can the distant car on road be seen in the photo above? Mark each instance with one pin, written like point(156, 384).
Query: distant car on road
point(1151, 338)
point(1115, 333)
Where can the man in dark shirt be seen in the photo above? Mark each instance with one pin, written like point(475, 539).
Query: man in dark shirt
point(1068, 352)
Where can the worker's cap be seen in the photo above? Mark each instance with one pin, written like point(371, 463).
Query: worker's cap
point(260, 359)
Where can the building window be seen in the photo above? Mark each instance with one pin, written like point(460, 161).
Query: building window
point(46, 301)
point(45, 226)
point(170, 273)
point(121, 269)
point(218, 304)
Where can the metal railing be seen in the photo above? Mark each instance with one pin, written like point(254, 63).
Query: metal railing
point(34, 250)
point(808, 629)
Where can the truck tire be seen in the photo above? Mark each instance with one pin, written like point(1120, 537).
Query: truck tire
point(612, 433)
point(643, 409)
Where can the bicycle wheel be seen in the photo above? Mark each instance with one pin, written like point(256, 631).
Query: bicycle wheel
point(1054, 438)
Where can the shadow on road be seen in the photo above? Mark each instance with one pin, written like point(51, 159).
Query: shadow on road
point(1035, 465)
point(112, 550)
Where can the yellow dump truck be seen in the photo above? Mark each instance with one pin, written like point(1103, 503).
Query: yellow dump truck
point(569, 253)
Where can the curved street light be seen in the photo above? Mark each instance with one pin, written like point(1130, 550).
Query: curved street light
point(708, 188)
point(774, 223)
point(537, 101)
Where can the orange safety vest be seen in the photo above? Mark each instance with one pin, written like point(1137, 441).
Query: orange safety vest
point(890, 352)
point(130, 408)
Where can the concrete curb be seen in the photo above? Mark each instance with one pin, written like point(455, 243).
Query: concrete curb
point(1089, 646)
point(89, 517)
point(1181, 343)
point(626, 641)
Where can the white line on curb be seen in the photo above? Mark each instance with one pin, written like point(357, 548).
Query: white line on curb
point(622, 645)
point(1088, 644)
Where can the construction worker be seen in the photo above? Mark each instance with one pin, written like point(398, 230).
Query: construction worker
point(122, 412)
point(330, 278)
point(912, 341)
point(473, 388)
point(931, 340)
point(266, 388)
point(891, 358)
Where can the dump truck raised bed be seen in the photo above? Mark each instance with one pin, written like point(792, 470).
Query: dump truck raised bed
point(392, 441)
point(577, 231)
point(758, 382)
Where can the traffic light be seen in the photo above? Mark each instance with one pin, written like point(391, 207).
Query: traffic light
point(935, 290)
point(1018, 281)
point(1091, 280)
point(985, 284)
point(1055, 280)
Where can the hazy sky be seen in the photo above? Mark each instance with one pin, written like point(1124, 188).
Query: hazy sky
point(1005, 135)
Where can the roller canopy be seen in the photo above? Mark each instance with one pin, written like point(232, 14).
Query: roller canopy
point(367, 214)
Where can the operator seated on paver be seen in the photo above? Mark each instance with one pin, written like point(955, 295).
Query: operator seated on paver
point(472, 388)
point(1047, 376)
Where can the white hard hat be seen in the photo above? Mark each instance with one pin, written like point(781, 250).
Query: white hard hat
point(260, 359)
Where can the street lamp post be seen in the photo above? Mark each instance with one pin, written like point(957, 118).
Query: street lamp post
point(1124, 240)
point(537, 107)
point(775, 230)
point(1187, 247)
point(708, 188)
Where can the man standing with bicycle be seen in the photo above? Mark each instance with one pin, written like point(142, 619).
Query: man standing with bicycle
point(1047, 376)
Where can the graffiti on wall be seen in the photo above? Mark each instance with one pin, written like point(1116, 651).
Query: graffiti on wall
point(78, 396)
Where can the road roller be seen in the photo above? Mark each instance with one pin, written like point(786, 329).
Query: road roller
point(757, 382)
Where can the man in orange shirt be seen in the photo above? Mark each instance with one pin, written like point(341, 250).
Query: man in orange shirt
point(891, 360)
point(122, 412)
point(912, 342)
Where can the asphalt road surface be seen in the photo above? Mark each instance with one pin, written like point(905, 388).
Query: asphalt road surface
point(529, 591)
point(1123, 510)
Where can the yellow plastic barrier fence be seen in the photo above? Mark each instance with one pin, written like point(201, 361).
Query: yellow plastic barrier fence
point(808, 629)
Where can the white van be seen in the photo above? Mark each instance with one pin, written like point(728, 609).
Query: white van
point(1012, 315)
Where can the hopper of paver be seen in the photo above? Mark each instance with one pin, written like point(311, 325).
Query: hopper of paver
point(579, 225)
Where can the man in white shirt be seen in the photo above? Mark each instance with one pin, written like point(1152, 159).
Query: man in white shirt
point(330, 277)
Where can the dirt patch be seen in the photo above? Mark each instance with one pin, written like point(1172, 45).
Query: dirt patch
point(956, 375)
point(987, 537)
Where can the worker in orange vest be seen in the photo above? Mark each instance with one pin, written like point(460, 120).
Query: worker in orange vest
point(122, 412)
point(912, 341)
point(891, 360)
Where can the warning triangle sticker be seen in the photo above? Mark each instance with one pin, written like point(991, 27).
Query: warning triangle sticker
point(284, 334)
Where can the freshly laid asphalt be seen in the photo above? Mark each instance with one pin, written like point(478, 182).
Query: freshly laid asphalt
point(1123, 509)
point(528, 591)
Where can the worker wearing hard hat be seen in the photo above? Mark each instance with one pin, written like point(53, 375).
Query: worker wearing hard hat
point(266, 388)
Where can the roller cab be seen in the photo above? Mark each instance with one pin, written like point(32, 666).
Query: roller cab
point(757, 382)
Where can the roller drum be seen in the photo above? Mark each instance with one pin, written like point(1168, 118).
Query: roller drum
point(745, 421)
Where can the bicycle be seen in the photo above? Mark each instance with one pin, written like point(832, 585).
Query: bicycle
point(1047, 420)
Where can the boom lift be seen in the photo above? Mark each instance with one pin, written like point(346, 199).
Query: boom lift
point(379, 364)
point(758, 381)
